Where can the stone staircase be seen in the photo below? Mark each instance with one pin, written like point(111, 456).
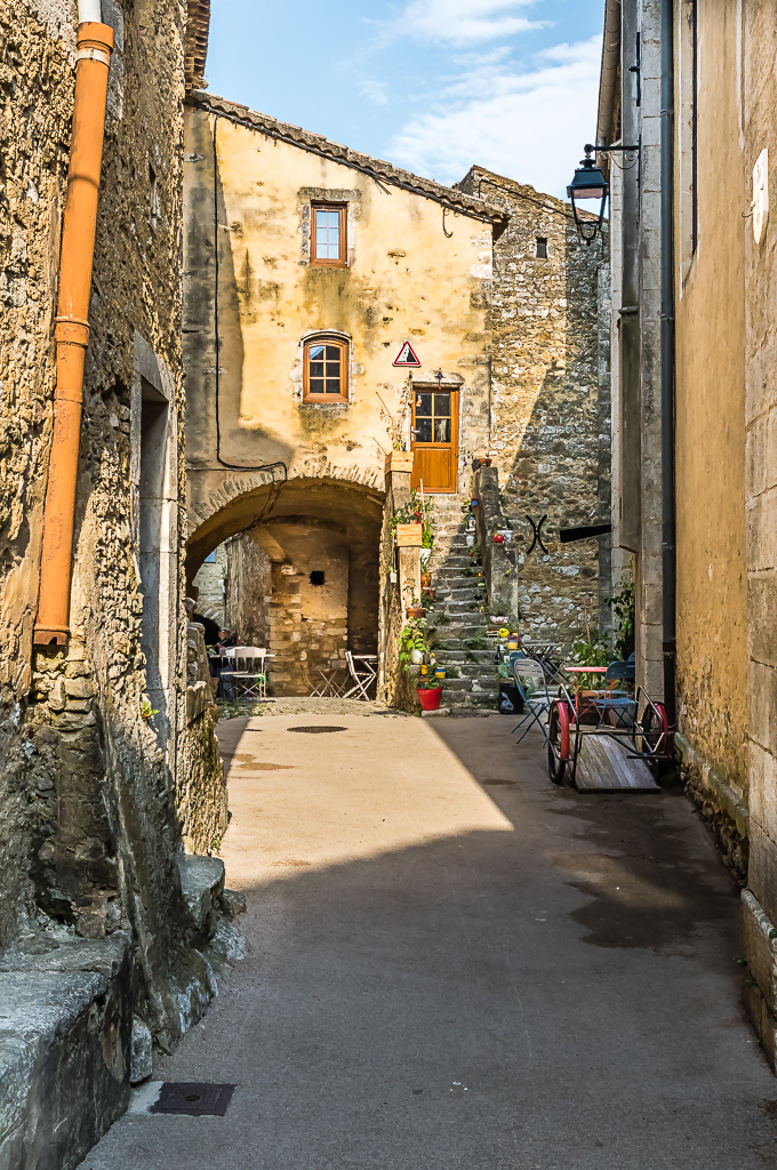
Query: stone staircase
point(455, 613)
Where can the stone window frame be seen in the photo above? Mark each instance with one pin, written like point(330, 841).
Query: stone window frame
point(343, 343)
point(346, 197)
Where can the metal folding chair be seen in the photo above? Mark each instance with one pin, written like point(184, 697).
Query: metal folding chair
point(331, 685)
point(249, 678)
point(362, 677)
point(532, 685)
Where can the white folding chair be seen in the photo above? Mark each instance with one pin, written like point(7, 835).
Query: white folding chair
point(363, 674)
point(250, 676)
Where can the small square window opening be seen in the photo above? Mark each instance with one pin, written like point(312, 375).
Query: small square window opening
point(542, 247)
point(327, 236)
point(317, 577)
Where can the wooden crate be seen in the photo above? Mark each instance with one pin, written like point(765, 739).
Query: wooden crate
point(408, 536)
point(399, 461)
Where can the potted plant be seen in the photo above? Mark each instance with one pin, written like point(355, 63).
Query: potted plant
point(412, 645)
point(429, 691)
point(428, 596)
point(426, 579)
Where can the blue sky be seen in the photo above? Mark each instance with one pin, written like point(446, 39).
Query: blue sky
point(430, 85)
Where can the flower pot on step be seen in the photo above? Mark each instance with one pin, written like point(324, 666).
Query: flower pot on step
point(429, 697)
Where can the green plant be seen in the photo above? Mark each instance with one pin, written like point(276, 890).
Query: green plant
point(429, 683)
point(412, 638)
point(623, 607)
point(147, 711)
point(442, 619)
point(591, 653)
point(479, 642)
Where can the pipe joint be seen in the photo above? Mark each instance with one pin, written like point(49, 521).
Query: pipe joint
point(94, 42)
point(71, 331)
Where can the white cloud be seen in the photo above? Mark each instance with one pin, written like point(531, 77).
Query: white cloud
point(528, 126)
point(374, 91)
point(466, 21)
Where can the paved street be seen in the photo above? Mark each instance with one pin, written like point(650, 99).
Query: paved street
point(454, 965)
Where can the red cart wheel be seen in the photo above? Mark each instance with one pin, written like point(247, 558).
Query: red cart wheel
point(559, 741)
point(655, 724)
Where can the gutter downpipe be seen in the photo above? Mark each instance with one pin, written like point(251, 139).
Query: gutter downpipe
point(668, 495)
point(93, 56)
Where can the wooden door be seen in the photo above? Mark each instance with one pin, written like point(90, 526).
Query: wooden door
point(435, 438)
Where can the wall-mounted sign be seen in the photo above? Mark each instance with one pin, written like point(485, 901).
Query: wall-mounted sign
point(406, 356)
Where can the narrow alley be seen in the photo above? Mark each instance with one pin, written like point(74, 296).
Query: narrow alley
point(454, 965)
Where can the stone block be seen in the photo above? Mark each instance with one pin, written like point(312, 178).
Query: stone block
point(202, 884)
point(233, 903)
point(760, 937)
point(64, 1052)
point(141, 1052)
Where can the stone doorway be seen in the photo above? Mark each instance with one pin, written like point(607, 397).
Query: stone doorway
point(301, 576)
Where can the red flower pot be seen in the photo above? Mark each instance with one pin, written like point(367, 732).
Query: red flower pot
point(499, 538)
point(429, 698)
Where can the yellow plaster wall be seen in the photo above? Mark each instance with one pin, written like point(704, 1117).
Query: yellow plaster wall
point(711, 567)
point(405, 279)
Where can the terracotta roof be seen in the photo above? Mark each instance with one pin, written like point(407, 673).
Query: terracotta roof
point(196, 43)
point(377, 169)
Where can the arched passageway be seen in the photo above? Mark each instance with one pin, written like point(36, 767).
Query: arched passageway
point(301, 573)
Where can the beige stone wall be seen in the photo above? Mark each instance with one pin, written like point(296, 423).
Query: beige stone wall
point(549, 406)
point(758, 40)
point(710, 420)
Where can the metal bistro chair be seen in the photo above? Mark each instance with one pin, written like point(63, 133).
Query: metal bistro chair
point(362, 672)
point(249, 677)
point(532, 685)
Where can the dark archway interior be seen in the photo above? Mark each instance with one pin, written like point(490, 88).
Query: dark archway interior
point(302, 574)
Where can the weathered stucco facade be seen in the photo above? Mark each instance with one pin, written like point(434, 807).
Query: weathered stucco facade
point(90, 777)
point(550, 408)
point(307, 477)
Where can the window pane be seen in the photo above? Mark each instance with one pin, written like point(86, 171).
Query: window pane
point(327, 228)
point(423, 404)
point(423, 430)
point(442, 430)
point(333, 386)
point(442, 405)
point(332, 353)
point(316, 386)
point(316, 351)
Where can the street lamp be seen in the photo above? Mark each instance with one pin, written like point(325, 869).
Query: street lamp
point(587, 184)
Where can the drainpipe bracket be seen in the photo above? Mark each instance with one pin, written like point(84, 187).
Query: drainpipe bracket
point(94, 42)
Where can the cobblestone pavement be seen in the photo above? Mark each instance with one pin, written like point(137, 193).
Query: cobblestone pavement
point(454, 965)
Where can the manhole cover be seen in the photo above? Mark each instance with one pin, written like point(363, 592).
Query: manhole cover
point(316, 730)
point(195, 1099)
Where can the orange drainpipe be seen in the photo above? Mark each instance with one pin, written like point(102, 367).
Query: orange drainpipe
point(94, 45)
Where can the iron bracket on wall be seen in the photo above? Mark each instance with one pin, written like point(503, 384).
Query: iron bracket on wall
point(537, 539)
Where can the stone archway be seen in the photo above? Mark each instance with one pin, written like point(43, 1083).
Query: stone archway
point(304, 570)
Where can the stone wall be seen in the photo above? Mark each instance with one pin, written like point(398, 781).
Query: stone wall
point(757, 40)
point(89, 791)
point(210, 583)
point(549, 420)
point(248, 588)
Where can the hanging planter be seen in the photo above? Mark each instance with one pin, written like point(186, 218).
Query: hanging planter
point(399, 461)
point(408, 535)
point(415, 611)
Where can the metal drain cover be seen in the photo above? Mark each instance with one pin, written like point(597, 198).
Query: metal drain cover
point(322, 730)
point(193, 1098)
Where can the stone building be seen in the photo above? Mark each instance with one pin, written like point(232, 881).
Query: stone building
point(718, 468)
point(312, 274)
point(550, 407)
point(108, 754)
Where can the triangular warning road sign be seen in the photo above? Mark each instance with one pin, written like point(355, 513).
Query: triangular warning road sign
point(406, 356)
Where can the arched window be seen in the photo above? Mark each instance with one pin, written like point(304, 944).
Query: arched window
point(326, 370)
